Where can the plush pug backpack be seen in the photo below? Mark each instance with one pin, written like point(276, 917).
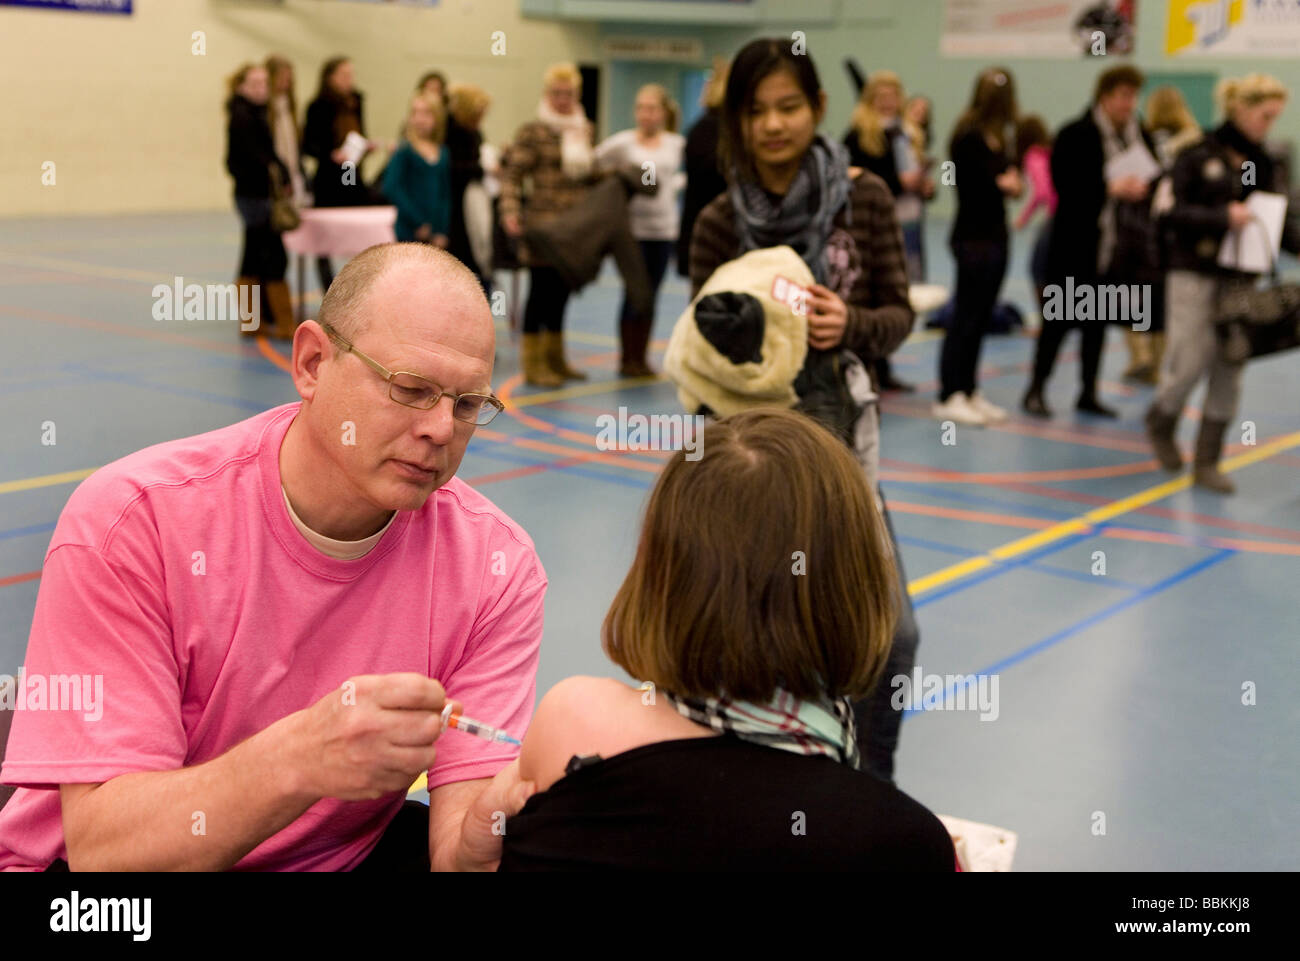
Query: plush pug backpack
point(743, 342)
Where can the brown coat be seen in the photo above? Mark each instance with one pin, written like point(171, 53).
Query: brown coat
point(534, 187)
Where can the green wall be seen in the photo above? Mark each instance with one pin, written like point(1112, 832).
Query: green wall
point(903, 35)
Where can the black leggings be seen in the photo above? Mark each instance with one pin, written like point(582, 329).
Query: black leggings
point(547, 296)
point(981, 265)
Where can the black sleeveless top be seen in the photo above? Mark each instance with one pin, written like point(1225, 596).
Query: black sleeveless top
point(721, 803)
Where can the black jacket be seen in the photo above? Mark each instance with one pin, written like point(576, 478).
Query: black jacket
point(462, 144)
point(1079, 173)
point(703, 181)
point(249, 149)
point(981, 205)
point(1207, 176)
point(319, 140)
point(884, 165)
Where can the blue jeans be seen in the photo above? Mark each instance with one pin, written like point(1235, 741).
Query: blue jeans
point(877, 720)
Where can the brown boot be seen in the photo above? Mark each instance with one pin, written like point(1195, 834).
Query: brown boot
point(553, 354)
point(537, 372)
point(280, 302)
point(1139, 353)
point(1209, 445)
point(247, 292)
point(1157, 354)
point(1160, 431)
point(634, 336)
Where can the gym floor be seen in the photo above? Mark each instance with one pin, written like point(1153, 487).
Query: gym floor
point(1122, 743)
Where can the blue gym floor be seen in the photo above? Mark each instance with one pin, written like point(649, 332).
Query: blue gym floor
point(1120, 694)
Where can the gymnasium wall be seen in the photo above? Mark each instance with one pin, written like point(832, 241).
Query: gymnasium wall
point(133, 119)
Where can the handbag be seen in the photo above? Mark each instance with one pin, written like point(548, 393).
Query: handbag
point(284, 215)
point(1258, 321)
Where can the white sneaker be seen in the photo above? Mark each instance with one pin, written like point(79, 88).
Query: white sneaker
point(993, 414)
point(958, 409)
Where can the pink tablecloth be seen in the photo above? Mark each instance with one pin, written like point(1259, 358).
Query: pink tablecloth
point(340, 231)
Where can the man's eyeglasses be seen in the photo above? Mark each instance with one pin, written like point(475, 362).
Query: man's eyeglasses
point(412, 390)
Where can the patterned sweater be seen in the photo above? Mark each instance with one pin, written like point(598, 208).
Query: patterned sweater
point(867, 269)
point(534, 187)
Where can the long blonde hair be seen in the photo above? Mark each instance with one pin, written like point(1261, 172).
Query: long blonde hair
point(1167, 110)
point(276, 65)
point(715, 90)
point(868, 122)
point(439, 117)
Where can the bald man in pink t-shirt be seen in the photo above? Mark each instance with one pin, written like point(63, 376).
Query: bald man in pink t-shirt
point(279, 611)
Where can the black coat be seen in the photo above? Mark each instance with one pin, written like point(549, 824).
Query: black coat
point(462, 146)
point(883, 165)
point(319, 140)
point(1079, 175)
point(703, 181)
point(249, 149)
point(1207, 176)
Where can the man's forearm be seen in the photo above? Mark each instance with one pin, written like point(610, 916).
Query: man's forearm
point(201, 818)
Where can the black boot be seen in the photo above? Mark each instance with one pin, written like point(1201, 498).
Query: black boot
point(1209, 445)
point(1033, 402)
point(1160, 431)
point(1089, 404)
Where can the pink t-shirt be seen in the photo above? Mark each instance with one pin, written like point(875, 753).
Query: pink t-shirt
point(177, 574)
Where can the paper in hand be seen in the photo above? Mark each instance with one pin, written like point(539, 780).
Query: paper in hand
point(1136, 161)
point(1255, 247)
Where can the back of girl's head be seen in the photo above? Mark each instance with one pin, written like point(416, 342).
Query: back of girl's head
point(763, 564)
point(466, 102)
point(755, 62)
point(1167, 110)
point(1031, 132)
point(992, 108)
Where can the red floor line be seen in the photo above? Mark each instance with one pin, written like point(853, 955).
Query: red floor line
point(121, 330)
point(19, 578)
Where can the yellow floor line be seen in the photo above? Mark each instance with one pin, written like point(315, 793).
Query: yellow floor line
point(1097, 515)
point(49, 480)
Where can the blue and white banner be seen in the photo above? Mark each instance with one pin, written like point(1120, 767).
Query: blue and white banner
point(84, 6)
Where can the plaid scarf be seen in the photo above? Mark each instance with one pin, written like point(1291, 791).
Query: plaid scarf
point(786, 723)
point(803, 217)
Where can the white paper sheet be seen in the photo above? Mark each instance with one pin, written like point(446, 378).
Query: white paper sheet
point(1255, 247)
point(980, 847)
point(1136, 161)
point(354, 146)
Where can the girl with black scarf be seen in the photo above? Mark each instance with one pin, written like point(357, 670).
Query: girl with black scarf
point(787, 185)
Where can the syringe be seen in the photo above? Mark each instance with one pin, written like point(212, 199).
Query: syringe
point(470, 726)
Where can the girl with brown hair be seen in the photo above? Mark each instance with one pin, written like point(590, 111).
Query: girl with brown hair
point(751, 640)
